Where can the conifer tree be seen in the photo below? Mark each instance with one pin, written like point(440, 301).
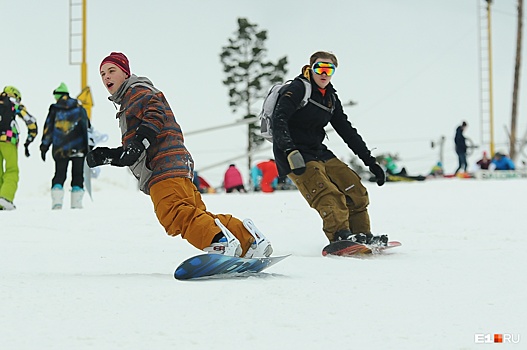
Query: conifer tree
point(249, 76)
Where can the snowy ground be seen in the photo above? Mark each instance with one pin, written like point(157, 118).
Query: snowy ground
point(102, 277)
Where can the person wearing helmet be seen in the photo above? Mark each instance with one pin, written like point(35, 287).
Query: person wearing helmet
point(10, 107)
point(66, 129)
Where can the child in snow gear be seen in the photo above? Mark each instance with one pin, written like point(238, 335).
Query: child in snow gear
point(10, 107)
point(153, 147)
point(66, 129)
point(328, 184)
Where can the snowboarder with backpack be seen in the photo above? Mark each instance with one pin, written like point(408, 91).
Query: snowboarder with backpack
point(10, 107)
point(154, 150)
point(66, 129)
point(329, 185)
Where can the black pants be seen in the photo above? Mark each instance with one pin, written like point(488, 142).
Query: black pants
point(77, 171)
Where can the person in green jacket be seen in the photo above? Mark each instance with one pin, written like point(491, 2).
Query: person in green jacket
point(10, 108)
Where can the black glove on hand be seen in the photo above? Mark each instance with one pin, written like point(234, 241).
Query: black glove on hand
point(379, 173)
point(100, 156)
point(26, 148)
point(296, 162)
point(43, 150)
point(132, 152)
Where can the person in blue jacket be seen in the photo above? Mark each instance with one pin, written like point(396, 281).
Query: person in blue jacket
point(502, 162)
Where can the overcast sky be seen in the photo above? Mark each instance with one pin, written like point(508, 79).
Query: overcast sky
point(412, 65)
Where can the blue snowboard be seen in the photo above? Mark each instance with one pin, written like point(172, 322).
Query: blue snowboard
point(217, 265)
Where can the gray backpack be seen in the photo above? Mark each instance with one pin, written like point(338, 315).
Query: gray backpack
point(269, 105)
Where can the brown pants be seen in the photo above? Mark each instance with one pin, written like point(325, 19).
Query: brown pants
point(181, 211)
point(336, 192)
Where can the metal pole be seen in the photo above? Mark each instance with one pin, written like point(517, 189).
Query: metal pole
point(491, 108)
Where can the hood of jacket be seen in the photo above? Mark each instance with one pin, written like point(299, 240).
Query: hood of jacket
point(117, 97)
point(66, 103)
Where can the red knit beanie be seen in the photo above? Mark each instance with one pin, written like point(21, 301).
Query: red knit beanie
point(119, 59)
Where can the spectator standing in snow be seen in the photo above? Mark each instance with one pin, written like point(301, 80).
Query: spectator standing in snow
point(66, 129)
point(327, 183)
point(10, 108)
point(269, 175)
point(232, 180)
point(154, 150)
point(461, 148)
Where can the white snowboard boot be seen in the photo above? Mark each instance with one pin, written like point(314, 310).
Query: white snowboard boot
point(261, 246)
point(76, 197)
point(57, 196)
point(226, 245)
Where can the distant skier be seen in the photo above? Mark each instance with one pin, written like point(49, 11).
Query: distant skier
point(66, 129)
point(153, 147)
point(10, 108)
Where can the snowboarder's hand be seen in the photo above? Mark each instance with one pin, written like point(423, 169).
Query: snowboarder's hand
point(132, 152)
point(296, 162)
point(43, 150)
point(98, 156)
point(379, 173)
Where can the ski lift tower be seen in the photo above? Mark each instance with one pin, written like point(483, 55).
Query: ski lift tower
point(77, 54)
point(485, 62)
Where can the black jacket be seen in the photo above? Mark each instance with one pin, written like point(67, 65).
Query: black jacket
point(303, 129)
point(459, 139)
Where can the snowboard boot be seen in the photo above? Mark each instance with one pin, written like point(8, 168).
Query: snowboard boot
point(261, 246)
point(76, 197)
point(57, 196)
point(361, 238)
point(381, 240)
point(346, 235)
point(224, 242)
point(6, 204)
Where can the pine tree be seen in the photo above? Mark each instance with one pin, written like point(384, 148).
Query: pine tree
point(249, 76)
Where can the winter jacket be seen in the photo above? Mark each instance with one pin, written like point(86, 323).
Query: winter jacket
point(9, 131)
point(66, 128)
point(145, 109)
point(459, 139)
point(269, 175)
point(503, 163)
point(232, 178)
point(303, 129)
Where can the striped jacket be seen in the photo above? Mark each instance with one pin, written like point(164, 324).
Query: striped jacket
point(141, 104)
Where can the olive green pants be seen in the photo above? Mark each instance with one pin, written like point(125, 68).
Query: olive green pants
point(335, 191)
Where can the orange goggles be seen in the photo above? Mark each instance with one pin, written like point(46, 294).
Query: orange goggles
point(324, 67)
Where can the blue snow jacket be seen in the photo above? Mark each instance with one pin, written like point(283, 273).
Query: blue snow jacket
point(66, 128)
point(503, 163)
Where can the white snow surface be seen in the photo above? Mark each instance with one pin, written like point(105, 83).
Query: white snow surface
point(102, 277)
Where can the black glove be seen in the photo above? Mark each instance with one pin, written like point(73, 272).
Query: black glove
point(26, 149)
point(296, 162)
point(132, 152)
point(379, 173)
point(103, 155)
point(43, 150)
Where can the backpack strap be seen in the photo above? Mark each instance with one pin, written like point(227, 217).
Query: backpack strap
point(307, 98)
